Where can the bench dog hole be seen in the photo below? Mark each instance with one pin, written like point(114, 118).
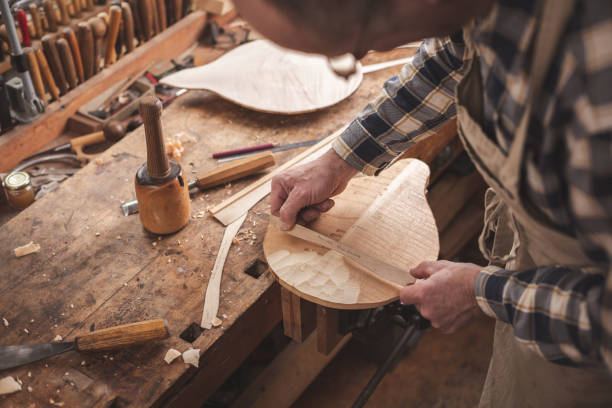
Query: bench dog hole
point(191, 333)
point(256, 268)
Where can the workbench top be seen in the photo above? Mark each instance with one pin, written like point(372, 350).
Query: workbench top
point(97, 268)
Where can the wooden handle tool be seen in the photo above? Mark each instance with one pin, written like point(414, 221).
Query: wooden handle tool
point(49, 8)
point(88, 5)
point(65, 54)
point(61, 4)
point(146, 18)
point(105, 17)
point(22, 20)
point(76, 52)
point(128, 26)
point(389, 274)
point(57, 69)
point(178, 10)
point(136, 19)
point(158, 165)
point(76, 5)
point(111, 38)
point(46, 73)
point(36, 21)
point(235, 170)
point(86, 48)
point(155, 14)
point(122, 336)
point(163, 18)
point(37, 80)
point(98, 28)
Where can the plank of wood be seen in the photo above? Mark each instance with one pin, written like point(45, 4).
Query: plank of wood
point(299, 316)
point(370, 218)
point(264, 77)
point(232, 208)
point(25, 140)
point(282, 382)
point(211, 301)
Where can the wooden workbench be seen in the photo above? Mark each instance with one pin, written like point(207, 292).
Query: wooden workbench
point(98, 268)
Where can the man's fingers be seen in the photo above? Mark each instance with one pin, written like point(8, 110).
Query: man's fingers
point(325, 206)
point(291, 207)
point(309, 214)
point(411, 294)
point(425, 269)
point(278, 196)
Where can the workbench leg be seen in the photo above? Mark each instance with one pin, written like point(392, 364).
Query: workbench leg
point(299, 316)
point(328, 335)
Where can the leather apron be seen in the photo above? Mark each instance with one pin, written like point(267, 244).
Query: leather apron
point(518, 375)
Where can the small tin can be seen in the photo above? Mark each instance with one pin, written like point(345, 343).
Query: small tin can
point(18, 189)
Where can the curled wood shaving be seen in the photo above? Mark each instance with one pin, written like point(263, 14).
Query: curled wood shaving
point(8, 385)
point(192, 356)
point(216, 322)
point(171, 355)
point(26, 249)
point(5, 322)
point(58, 338)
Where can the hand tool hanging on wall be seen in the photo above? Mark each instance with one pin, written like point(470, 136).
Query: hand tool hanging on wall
point(65, 54)
point(36, 20)
point(35, 72)
point(76, 52)
point(55, 63)
point(32, 105)
point(128, 26)
point(111, 338)
point(146, 18)
point(63, 11)
point(43, 64)
point(98, 28)
point(110, 55)
point(85, 40)
point(50, 16)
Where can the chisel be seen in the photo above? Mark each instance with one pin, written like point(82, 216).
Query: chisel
point(146, 18)
point(63, 48)
point(57, 69)
point(110, 55)
point(155, 14)
point(98, 28)
point(163, 18)
point(111, 338)
point(86, 48)
point(128, 26)
point(63, 8)
point(43, 64)
point(48, 7)
point(35, 14)
point(37, 80)
point(273, 148)
point(76, 52)
point(22, 20)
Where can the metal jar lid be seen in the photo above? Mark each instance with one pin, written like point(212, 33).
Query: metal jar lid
point(17, 180)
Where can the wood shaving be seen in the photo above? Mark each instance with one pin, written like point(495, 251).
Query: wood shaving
point(8, 385)
point(171, 355)
point(26, 249)
point(174, 148)
point(26, 331)
point(216, 322)
point(192, 356)
point(58, 338)
point(5, 322)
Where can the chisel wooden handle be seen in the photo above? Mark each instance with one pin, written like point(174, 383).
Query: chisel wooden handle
point(163, 15)
point(63, 8)
point(128, 26)
point(65, 54)
point(111, 37)
point(35, 14)
point(138, 31)
point(155, 14)
point(76, 5)
point(48, 6)
point(70, 37)
point(146, 18)
point(235, 170)
point(86, 48)
point(57, 69)
point(178, 10)
point(122, 336)
point(98, 28)
point(46, 73)
point(88, 5)
point(37, 80)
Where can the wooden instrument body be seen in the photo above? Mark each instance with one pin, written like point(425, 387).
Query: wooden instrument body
point(386, 217)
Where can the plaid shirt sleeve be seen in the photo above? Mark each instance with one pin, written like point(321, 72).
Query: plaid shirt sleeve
point(413, 105)
point(565, 314)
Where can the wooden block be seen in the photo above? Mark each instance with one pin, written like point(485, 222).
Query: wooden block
point(299, 316)
point(328, 335)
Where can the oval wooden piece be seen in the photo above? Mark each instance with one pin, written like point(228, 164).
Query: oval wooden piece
point(386, 217)
point(265, 77)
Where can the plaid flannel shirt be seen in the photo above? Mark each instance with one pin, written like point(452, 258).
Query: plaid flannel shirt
point(563, 313)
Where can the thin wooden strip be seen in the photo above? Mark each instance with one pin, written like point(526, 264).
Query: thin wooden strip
point(211, 301)
point(235, 206)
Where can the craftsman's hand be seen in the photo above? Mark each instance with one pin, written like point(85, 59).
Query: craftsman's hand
point(444, 293)
point(303, 192)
